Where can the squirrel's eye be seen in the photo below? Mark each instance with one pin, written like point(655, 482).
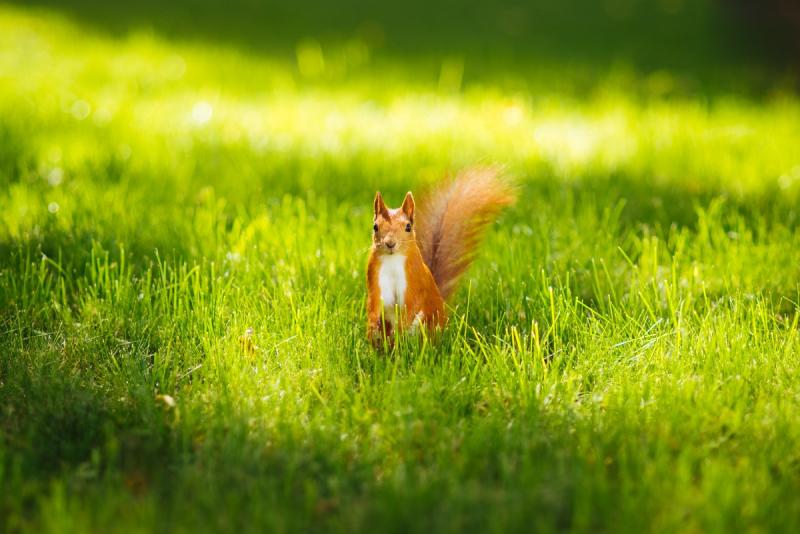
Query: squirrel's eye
point(374, 227)
point(408, 227)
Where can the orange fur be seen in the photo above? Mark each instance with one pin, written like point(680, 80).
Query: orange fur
point(456, 216)
point(438, 248)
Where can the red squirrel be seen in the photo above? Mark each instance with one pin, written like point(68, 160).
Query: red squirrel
point(416, 259)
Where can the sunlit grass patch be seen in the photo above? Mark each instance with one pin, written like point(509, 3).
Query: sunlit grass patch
point(149, 96)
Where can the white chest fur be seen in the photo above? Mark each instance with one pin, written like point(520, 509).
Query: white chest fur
point(392, 282)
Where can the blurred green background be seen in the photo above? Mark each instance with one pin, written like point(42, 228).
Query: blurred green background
point(727, 46)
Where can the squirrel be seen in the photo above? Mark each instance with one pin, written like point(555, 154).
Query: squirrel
point(416, 261)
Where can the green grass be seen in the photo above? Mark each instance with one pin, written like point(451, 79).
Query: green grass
point(623, 356)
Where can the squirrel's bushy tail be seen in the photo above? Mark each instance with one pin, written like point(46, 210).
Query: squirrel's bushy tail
point(453, 218)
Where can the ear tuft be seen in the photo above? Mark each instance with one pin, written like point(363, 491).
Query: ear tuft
point(408, 206)
point(379, 207)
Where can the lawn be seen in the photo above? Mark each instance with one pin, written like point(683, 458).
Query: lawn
point(185, 217)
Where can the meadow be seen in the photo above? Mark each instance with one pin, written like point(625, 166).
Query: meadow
point(185, 216)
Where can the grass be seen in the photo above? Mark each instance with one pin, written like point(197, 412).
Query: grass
point(183, 234)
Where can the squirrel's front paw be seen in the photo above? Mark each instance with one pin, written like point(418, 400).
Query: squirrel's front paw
point(379, 338)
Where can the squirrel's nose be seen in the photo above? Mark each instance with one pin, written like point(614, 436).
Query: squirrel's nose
point(390, 244)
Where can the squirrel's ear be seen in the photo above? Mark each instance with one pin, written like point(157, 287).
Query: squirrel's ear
point(408, 206)
point(379, 206)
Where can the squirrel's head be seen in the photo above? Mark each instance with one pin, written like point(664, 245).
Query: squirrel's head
point(393, 229)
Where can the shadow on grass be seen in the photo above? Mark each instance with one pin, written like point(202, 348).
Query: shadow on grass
point(106, 446)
